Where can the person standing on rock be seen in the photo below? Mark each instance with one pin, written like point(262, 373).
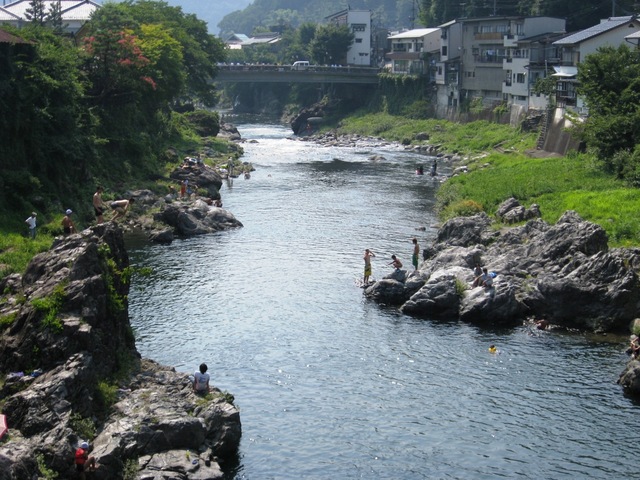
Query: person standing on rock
point(84, 463)
point(183, 188)
point(367, 265)
point(31, 222)
point(416, 253)
point(98, 205)
point(121, 207)
point(67, 224)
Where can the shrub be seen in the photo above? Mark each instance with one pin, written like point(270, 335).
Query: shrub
point(51, 306)
point(462, 208)
point(204, 122)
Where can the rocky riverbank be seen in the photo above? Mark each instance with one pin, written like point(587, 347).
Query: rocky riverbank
point(73, 374)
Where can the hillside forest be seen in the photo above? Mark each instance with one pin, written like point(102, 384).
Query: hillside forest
point(396, 15)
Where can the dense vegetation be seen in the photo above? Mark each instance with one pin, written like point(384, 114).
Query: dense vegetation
point(394, 15)
point(99, 108)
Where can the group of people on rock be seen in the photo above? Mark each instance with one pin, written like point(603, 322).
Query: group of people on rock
point(395, 261)
point(482, 277)
point(119, 207)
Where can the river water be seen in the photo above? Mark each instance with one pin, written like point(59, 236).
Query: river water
point(332, 386)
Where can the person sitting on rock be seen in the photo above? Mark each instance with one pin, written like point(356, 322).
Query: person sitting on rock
point(480, 276)
point(201, 379)
point(84, 463)
point(487, 279)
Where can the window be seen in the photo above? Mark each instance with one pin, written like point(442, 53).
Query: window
point(358, 40)
point(439, 70)
point(358, 27)
point(519, 77)
point(444, 50)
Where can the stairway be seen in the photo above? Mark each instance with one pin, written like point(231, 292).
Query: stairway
point(545, 122)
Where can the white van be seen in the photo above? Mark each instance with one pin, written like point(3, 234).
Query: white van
point(300, 65)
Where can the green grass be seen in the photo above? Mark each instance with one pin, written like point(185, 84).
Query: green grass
point(557, 185)
point(16, 250)
point(457, 137)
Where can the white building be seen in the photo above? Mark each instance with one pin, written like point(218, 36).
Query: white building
point(411, 50)
point(75, 13)
point(359, 23)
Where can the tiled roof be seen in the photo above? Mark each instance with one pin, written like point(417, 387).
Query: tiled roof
point(602, 27)
point(6, 37)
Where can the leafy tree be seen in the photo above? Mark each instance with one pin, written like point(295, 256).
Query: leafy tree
point(54, 17)
point(330, 44)
point(36, 13)
point(609, 82)
point(201, 51)
point(44, 126)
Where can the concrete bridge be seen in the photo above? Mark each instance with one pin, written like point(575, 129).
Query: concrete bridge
point(285, 74)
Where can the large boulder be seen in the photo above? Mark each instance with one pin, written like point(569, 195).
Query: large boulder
point(197, 218)
point(201, 175)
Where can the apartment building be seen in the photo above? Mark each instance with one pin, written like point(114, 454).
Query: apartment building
point(359, 22)
point(490, 58)
point(411, 51)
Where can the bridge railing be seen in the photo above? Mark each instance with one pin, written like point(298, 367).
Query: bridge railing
point(310, 68)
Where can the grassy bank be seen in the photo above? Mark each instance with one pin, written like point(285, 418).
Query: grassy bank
point(499, 168)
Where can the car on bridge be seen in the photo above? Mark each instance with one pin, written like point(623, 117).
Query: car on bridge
point(300, 65)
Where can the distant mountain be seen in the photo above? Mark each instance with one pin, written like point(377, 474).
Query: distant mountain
point(210, 11)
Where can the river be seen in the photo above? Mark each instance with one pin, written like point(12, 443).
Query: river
point(333, 386)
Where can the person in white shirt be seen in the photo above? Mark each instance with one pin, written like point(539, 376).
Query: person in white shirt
point(201, 379)
point(31, 221)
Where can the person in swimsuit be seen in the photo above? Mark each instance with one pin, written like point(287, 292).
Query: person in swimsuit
point(121, 207)
point(67, 224)
point(395, 261)
point(98, 205)
point(367, 265)
point(416, 253)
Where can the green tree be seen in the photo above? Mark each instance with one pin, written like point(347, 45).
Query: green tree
point(45, 128)
point(54, 17)
point(330, 44)
point(201, 51)
point(609, 83)
point(36, 13)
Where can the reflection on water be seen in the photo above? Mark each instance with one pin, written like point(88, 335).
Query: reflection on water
point(330, 385)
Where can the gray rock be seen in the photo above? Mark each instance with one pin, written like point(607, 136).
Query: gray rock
point(564, 273)
point(197, 218)
point(69, 327)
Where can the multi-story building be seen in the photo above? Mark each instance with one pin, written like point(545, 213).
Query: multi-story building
point(489, 59)
point(359, 22)
point(531, 59)
point(574, 48)
point(411, 50)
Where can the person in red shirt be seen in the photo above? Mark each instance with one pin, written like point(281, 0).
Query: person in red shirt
point(84, 463)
